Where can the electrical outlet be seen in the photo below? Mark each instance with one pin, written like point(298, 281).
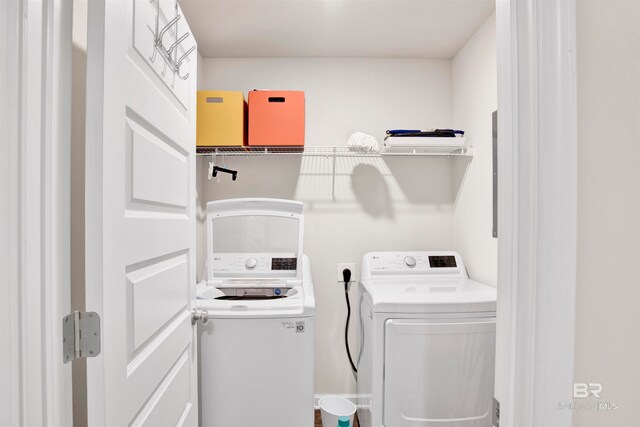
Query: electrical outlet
point(351, 266)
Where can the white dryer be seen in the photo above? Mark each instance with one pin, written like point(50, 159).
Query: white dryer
point(256, 352)
point(427, 343)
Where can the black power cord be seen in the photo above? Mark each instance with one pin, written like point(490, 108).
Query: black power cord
point(346, 277)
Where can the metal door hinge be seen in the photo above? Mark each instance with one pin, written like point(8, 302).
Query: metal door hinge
point(496, 412)
point(80, 335)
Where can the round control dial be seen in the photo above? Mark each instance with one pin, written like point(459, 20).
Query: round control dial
point(410, 261)
point(251, 263)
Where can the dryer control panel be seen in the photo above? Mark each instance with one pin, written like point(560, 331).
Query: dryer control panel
point(404, 263)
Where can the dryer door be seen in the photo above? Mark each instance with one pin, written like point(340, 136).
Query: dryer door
point(439, 372)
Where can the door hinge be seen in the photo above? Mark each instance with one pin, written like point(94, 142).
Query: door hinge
point(496, 412)
point(80, 335)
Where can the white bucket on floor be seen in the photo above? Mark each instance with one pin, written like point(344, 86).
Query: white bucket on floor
point(333, 407)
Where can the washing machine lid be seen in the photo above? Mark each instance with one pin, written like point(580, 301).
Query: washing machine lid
point(254, 239)
point(294, 306)
point(447, 295)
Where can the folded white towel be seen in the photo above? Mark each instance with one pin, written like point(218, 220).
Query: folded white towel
point(363, 143)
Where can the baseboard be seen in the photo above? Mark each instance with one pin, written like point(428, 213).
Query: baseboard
point(351, 397)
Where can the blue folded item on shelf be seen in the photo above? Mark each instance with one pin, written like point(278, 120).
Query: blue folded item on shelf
point(401, 131)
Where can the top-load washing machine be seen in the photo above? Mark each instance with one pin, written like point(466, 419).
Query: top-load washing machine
point(256, 352)
point(427, 343)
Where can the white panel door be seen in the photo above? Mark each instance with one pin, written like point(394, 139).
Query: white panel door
point(438, 372)
point(140, 218)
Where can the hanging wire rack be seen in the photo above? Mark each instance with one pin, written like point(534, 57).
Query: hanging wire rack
point(170, 54)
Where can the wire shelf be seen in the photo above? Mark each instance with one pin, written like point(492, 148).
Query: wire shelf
point(245, 151)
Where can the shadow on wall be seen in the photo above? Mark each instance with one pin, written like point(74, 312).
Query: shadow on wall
point(260, 176)
point(424, 180)
point(376, 185)
point(371, 191)
point(460, 169)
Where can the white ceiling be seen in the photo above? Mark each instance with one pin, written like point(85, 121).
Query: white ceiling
point(334, 28)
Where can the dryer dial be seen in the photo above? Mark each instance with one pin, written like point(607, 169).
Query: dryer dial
point(410, 261)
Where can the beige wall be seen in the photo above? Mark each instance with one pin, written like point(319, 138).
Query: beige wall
point(608, 276)
point(475, 98)
point(400, 203)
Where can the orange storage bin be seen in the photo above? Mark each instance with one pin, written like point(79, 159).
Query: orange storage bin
point(221, 119)
point(276, 118)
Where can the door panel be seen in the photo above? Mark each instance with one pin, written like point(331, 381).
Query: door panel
point(153, 298)
point(438, 372)
point(140, 209)
point(142, 368)
point(147, 152)
point(170, 403)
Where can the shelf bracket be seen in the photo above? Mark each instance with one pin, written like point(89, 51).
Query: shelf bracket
point(333, 177)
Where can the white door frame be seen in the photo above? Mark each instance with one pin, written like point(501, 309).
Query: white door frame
point(34, 205)
point(537, 209)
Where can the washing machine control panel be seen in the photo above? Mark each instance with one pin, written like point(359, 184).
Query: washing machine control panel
point(250, 263)
point(239, 263)
point(414, 262)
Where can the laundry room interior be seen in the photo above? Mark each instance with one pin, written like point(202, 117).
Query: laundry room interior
point(361, 72)
point(364, 68)
point(319, 213)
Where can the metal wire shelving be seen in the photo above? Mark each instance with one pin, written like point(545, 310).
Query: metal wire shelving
point(331, 153)
point(328, 151)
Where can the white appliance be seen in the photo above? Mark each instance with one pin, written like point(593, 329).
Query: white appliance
point(427, 343)
point(257, 350)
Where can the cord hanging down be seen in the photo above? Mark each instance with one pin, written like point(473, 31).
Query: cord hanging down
point(346, 276)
